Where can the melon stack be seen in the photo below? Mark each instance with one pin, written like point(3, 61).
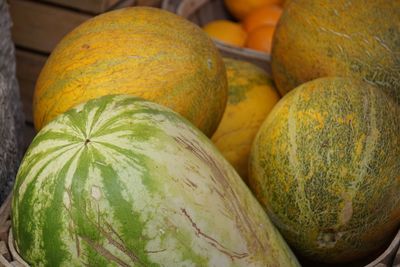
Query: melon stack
point(153, 150)
point(112, 179)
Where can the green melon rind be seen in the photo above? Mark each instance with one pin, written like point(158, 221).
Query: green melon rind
point(120, 181)
point(326, 166)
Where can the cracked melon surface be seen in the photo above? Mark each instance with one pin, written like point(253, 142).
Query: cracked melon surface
point(326, 167)
point(120, 181)
point(351, 38)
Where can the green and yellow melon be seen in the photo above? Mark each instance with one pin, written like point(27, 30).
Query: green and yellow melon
point(251, 96)
point(352, 38)
point(147, 52)
point(326, 167)
point(119, 181)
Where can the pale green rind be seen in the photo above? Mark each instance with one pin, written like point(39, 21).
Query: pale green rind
point(120, 181)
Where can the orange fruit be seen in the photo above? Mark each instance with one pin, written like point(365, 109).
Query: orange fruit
point(268, 14)
point(240, 8)
point(261, 38)
point(226, 31)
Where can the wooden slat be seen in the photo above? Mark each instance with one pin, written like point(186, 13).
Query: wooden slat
point(39, 26)
point(92, 6)
point(29, 134)
point(29, 66)
point(153, 3)
point(126, 3)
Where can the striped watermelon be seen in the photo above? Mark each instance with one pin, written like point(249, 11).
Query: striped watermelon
point(119, 181)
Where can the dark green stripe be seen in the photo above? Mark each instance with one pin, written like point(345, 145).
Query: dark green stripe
point(55, 252)
point(132, 227)
point(24, 228)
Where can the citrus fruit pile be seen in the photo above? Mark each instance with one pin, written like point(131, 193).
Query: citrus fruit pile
point(255, 27)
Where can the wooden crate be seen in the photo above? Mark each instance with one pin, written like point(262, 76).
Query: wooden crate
point(92, 6)
point(40, 27)
point(99, 6)
point(29, 65)
point(153, 3)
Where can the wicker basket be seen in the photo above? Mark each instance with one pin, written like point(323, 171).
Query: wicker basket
point(9, 256)
point(203, 11)
point(396, 262)
point(387, 257)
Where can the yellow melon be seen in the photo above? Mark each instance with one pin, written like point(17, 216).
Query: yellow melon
point(358, 39)
point(141, 51)
point(251, 97)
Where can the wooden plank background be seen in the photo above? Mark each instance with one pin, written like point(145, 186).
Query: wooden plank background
point(29, 65)
point(39, 26)
point(92, 6)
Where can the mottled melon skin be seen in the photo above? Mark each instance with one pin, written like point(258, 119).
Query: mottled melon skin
point(142, 51)
point(326, 167)
point(251, 96)
point(338, 38)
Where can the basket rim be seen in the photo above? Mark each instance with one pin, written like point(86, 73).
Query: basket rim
point(390, 251)
point(186, 7)
point(13, 250)
point(243, 51)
